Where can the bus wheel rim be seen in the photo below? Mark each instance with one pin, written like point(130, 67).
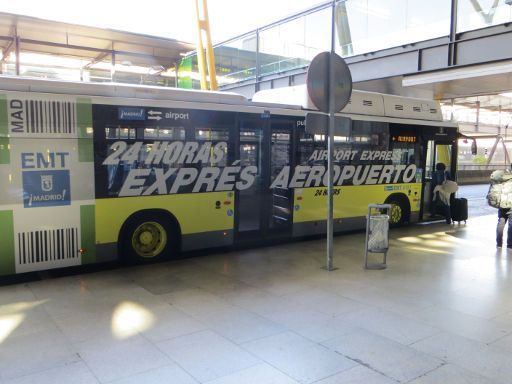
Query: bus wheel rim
point(149, 239)
point(396, 213)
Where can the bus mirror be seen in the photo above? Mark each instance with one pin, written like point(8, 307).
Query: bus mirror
point(474, 148)
point(317, 124)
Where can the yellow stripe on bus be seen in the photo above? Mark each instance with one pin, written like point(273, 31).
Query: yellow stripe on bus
point(350, 201)
point(195, 212)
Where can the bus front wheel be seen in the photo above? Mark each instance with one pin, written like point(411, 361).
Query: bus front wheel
point(149, 237)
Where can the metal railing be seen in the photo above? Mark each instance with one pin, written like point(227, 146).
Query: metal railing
point(481, 167)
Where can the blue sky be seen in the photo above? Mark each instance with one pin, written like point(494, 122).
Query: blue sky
point(170, 18)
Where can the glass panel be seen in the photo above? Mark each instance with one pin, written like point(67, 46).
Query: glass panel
point(280, 154)
point(150, 133)
point(351, 27)
point(426, 20)
point(281, 216)
point(370, 25)
point(213, 134)
point(444, 156)
point(317, 33)
point(111, 133)
point(275, 49)
point(475, 14)
point(387, 22)
point(294, 43)
point(308, 144)
point(119, 133)
point(236, 60)
point(429, 165)
point(127, 133)
point(370, 136)
point(249, 204)
point(174, 133)
point(100, 72)
point(164, 133)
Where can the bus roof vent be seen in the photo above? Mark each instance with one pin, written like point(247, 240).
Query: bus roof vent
point(411, 108)
point(365, 103)
point(360, 103)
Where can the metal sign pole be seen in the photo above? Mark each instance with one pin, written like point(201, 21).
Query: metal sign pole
point(330, 149)
point(329, 86)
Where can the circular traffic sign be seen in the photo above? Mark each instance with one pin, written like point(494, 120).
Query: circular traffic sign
point(318, 81)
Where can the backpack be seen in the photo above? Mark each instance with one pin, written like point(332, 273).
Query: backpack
point(494, 195)
point(500, 190)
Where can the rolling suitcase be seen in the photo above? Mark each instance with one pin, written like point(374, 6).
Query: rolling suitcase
point(459, 209)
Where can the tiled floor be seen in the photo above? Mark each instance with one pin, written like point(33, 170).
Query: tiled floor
point(440, 313)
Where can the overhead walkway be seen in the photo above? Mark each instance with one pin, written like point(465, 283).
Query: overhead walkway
point(436, 49)
point(457, 51)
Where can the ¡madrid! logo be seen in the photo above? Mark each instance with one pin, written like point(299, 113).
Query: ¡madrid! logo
point(46, 188)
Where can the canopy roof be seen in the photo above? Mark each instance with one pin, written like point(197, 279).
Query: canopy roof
point(87, 45)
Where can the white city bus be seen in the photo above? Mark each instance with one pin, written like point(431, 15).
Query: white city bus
point(92, 173)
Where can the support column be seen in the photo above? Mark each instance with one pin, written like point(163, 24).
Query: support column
point(452, 54)
point(17, 50)
point(113, 69)
point(477, 123)
point(257, 72)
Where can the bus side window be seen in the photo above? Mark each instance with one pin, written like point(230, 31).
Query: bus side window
point(162, 136)
point(116, 173)
point(369, 136)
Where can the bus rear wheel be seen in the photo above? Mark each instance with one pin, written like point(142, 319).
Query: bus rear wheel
point(399, 214)
point(149, 237)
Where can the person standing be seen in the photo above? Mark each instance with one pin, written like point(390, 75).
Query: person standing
point(439, 177)
point(500, 196)
point(443, 194)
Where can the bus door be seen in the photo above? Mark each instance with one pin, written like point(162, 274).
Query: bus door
point(266, 144)
point(250, 150)
point(438, 150)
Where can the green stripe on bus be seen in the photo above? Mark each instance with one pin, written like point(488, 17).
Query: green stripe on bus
point(5, 155)
point(7, 266)
point(84, 119)
point(85, 150)
point(4, 125)
point(88, 239)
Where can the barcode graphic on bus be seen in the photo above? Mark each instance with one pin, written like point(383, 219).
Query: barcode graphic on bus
point(50, 116)
point(48, 245)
